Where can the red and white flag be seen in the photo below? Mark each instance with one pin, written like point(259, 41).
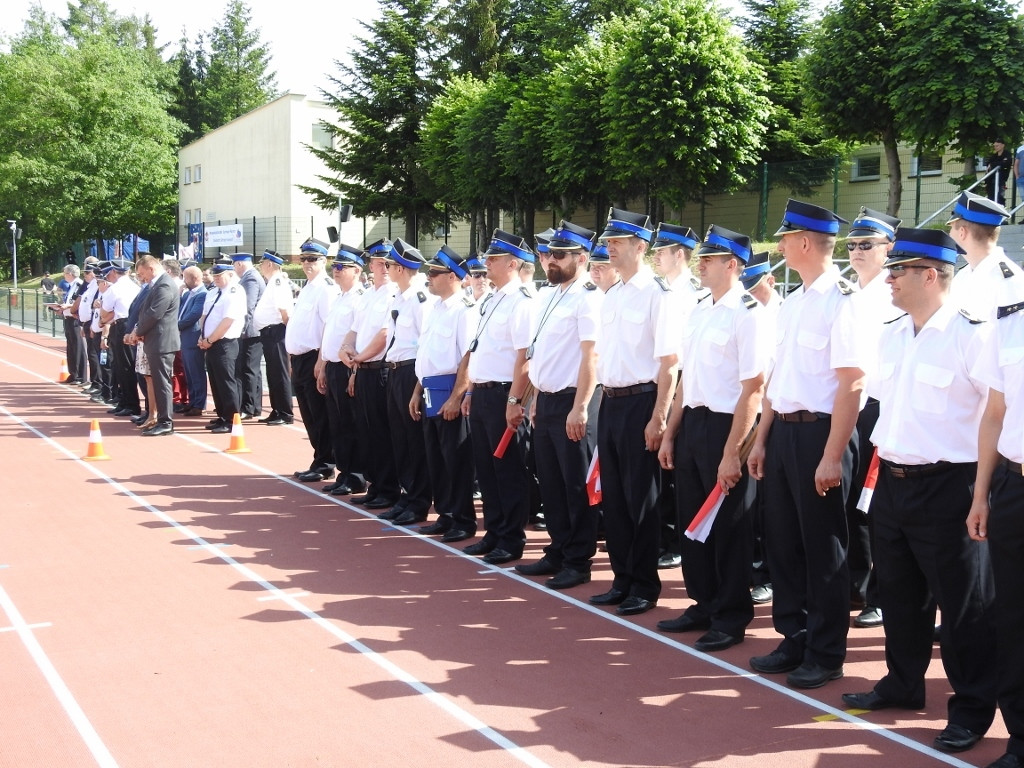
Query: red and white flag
point(700, 527)
point(594, 481)
point(864, 502)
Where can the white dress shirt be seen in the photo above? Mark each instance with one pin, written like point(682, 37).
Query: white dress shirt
point(446, 334)
point(563, 317)
point(305, 328)
point(503, 329)
point(1001, 367)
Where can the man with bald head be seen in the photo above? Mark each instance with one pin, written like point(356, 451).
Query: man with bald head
point(192, 357)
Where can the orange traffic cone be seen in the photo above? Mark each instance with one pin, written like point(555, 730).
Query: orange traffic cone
point(237, 437)
point(65, 374)
point(95, 452)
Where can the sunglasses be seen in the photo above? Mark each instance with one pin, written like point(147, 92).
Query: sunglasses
point(558, 254)
point(437, 272)
point(309, 258)
point(861, 246)
point(899, 270)
point(342, 266)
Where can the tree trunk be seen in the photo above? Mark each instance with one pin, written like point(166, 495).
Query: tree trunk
point(892, 160)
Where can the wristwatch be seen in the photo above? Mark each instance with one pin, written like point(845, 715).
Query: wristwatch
point(512, 400)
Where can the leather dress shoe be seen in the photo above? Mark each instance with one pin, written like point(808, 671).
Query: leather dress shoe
point(223, 429)
point(669, 560)
point(408, 517)
point(872, 701)
point(441, 525)
point(268, 417)
point(761, 594)
point(684, 623)
point(381, 502)
point(366, 497)
point(482, 547)
point(180, 407)
point(316, 475)
point(247, 416)
point(158, 430)
point(775, 663)
point(499, 556)
point(542, 567)
point(716, 640)
point(634, 605)
point(612, 597)
point(390, 514)
point(330, 488)
point(114, 410)
point(956, 738)
point(141, 418)
point(567, 578)
point(871, 616)
point(457, 534)
point(193, 412)
point(340, 490)
point(279, 420)
point(1008, 761)
point(811, 674)
point(126, 412)
point(217, 424)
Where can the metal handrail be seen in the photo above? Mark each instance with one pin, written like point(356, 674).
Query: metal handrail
point(957, 197)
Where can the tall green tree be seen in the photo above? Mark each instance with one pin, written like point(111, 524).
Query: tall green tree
point(381, 99)
point(189, 87)
point(848, 77)
point(239, 78)
point(684, 110)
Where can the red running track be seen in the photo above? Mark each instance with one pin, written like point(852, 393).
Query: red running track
point(179, 606)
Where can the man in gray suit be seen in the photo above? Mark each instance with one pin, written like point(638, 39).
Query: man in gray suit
point(158, 329)
point(250, 347)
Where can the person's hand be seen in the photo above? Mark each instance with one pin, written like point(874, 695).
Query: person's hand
point(977, 520)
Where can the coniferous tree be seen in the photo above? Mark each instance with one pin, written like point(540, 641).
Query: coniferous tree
point(238, 79)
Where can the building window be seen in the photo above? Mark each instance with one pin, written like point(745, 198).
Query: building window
point(928, 164)
point(188, 216)
point(197, 174)
point(866, 168)
point(198, 216)
point(321, 137)
point(188, 174)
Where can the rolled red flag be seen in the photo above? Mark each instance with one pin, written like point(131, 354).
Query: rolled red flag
point(499, 452)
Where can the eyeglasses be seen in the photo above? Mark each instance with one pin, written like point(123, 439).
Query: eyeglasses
point(342, 266)
point(437, 272)
point(309, 258)
point(867, 246)
point(558, 254)
point(899, 270)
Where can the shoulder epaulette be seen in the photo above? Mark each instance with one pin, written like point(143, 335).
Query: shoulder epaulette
point(970, 318)
point(1009, 310)
point(277, 281)
point(748, 301)
point(525, 291)
point(546, 284)
point(661, 281)
point(233, 289)
point(695, 283)
point(467, 301)
point(421, 296)
point(588, 286)
point(328, 279)
point(844, 287)
point(360, 291)
point(887, 322)
point(1007, 272)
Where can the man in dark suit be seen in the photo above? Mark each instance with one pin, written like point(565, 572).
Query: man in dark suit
point(158, 329)
point(192, 357)
point(250, 348)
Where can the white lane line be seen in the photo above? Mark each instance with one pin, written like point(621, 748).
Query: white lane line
point(461, 715)
point(36, 347)
point(60, 690)
point(265, 598)
point(746, 674)
point(42, 625)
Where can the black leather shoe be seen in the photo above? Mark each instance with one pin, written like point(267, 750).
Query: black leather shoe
point(716, 640)
point(482, 547)
point(775, 663)
point(871, 616)
point(684, 623)
point(457, 534)
point(221, 429)
point(340, 489)
point(390, 514)
point(269, 417)
point(409, 517)
point(1008, 761)
point(140, 419)
point(872, 701)
point(567, 578)
point(217, 424)
point(381, 502)
point(330, 488)
point(441, 525)
point(316, 475)
point(633, 606)
point(811, 674)
point(125, 412)
point(542, 567)
point(158, 430)
point(366, 497)
point(761, 594)
point(669, 560)
point(612, 597)
point(499, 556)
point(956, 738)
point(278, 421)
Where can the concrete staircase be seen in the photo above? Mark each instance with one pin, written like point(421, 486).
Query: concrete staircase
point(1011, 237)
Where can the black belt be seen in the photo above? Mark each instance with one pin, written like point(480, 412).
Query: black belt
point(636, 389)
point(119, 321)
point(802, 417)
point(1013, 466)
point(566, 391)
point(492, 384)
point(374, 365)
point(916, 470)
point(400, 364)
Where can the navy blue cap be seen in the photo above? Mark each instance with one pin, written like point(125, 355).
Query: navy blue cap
point(513, 245)
point(805, 217)
point(379, 249)
point(542, 239)
point(90, 267)
point(871, 223)
point(474, 265)
point(312, 245)
point(349, 256)
point(755, 271)
point(405, 254)
point(978, 209)
point(273, 256)
point(622, 223)
point(720, 241)
point(672, 234)
point(189, 263)
point(241, 256)
point(913, 244)
point(121, 265)
point(600, 254)
point(220, 267)
point(448, 258)
point(569, 236)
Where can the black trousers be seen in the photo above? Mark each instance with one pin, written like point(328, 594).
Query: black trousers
point(924, 556)
point(716, 571)
point(77, 367)
point(92, 352)
point(249, 375)
point(503, 482)
point(562, 466)
point(341, 415)
point(629, 493)
point(124, 368)
point(313, 408)
point(806, 538)
point(1006, 546)
point(279, 382)
point(374, 433)
point(450, 460)
point(221, 366)
point(407, 441)
point(863, 582)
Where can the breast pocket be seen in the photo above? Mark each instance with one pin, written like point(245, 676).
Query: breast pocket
point(1011, 363)
point(713, 346)
point(497, 326)
point(811, 352)
point(931, 385)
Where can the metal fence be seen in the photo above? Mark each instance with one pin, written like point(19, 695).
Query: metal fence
point(275, 233)
point(26, 309)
